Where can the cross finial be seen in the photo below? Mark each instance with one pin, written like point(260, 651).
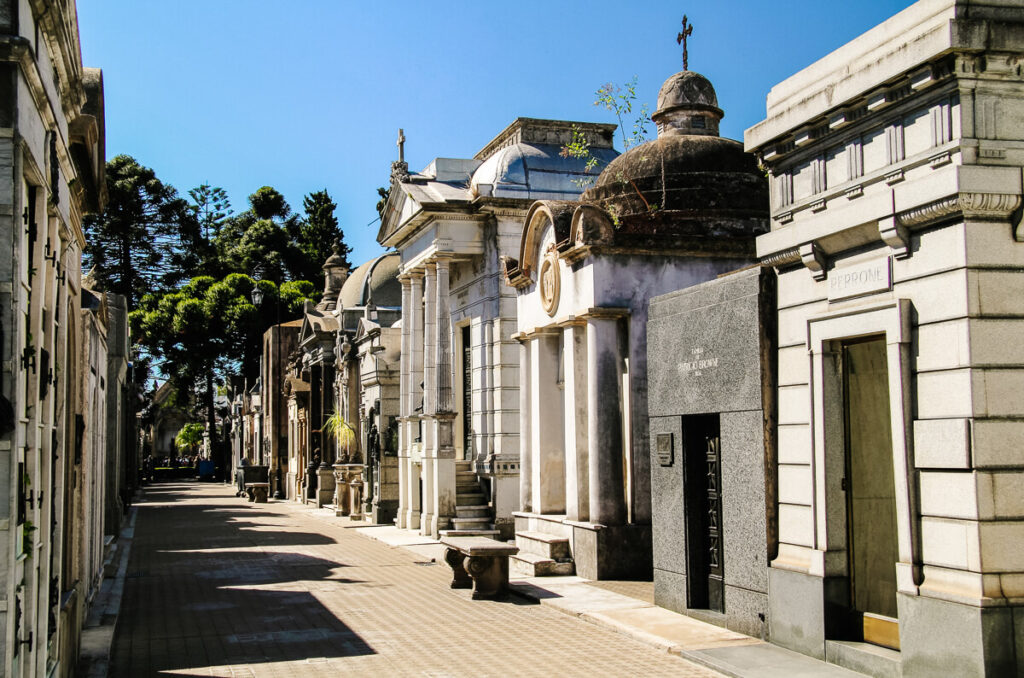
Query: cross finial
point(681, 40)
point(401, 145)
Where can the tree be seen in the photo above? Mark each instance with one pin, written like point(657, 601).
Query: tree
point(209, 327)
point(267, 203)
point(189, 437)
point(134, 245)
point(211, 206)
point(319, 234)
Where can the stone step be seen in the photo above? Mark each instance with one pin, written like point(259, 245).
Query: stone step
point(467, 473)
point(477, 522)
point(532, 565)
point(490, 534)
point(463, 464)
point(476, 511)
point(467, 488)
point(545, 545)
point(467, 499)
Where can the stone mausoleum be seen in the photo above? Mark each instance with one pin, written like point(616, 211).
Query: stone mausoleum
point(665, 215)
point(459, 438)
point(896, 230)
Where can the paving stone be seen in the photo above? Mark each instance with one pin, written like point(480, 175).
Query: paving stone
point(219, 587)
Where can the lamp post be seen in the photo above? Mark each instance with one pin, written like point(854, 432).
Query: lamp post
point(257, 298)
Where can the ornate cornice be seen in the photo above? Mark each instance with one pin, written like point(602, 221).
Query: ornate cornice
point(783, 258)
point(986, 206)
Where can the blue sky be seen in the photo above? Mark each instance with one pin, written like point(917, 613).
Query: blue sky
point(310, 94)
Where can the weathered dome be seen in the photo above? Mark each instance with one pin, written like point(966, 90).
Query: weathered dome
point(687, 88)
point(375, 281)
point(688, 175)
point(682, 173)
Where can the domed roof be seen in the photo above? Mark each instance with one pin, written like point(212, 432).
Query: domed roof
point(533, 171)
point(686, 89)
point(375, 281)
point(688, 172)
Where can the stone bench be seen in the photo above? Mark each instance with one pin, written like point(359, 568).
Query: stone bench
point(257, 492)
point(479, 563)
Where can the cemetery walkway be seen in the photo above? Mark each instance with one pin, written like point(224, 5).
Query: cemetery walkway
point(216, 586)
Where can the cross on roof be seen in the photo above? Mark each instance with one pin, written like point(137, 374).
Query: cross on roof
point(681, 40)
point(401, 145)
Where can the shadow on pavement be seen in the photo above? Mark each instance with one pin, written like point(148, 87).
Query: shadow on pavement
point(198, 594)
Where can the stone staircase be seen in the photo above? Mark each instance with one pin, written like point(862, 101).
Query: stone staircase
point(472, 513)
point(541, 555)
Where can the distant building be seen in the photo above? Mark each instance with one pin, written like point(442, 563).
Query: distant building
point(459, 431)
point(895, 165)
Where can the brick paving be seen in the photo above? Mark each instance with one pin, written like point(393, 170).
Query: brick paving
point(216, 586)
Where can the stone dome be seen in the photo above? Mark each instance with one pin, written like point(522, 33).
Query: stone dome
point(375, 281)
point(688, 173)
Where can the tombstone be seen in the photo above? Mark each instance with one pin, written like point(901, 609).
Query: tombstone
point(710, 379)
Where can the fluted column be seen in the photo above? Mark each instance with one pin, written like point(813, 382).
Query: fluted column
point(429, 396)
point(411, 489)
point(604, 421)
point(404, 403)
point(443, 464)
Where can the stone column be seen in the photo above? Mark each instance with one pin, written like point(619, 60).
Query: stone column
point(546, 434)
point(404, 402)
point(604, 421)
point(525, 453)
point(443, 462)
point(411, 490)
point(429, 394)
point(574, 393)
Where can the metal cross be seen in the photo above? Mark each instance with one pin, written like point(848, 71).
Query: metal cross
point(681, 40)
point(401, 145)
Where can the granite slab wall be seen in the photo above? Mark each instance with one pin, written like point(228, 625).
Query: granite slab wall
point(711, 351)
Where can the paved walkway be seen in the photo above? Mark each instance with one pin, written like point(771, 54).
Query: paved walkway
point(216, 586)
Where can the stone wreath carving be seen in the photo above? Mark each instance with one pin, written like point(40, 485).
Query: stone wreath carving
point(550, 282)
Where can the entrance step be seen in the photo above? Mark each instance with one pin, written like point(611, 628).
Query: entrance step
point(473, 511)
point(463, 465)
point(545, 545)
point(491, 534)
point(533, 565)
point(482, 523)
point(872, 660)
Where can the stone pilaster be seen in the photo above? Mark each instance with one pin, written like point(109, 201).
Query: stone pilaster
point(574, 393)
point(546, 435)
point(443, 452)
point(525, 422)
point(604, 421)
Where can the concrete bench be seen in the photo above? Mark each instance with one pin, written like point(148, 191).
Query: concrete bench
point(479, 563)
point(257, 492)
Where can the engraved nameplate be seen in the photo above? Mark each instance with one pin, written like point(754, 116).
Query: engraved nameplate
point(663, 446)
point(855, 281)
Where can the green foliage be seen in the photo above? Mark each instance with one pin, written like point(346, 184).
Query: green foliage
point(336, 427)
point(319, 234)
point(210, 206)
point(620, 100)
point(142, 241)
point(267, 203)
point(189, 437)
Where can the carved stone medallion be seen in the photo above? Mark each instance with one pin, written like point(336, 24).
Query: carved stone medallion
point(550, 282)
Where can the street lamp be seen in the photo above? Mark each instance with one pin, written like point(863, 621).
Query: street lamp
point(257, 300)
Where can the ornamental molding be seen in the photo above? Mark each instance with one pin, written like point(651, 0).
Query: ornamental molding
point(986, 206)
point(550, 282)
point(783, 258)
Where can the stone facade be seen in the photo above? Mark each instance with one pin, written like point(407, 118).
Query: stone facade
point(451, 223)
point(583, 277)
point(895, 165)
point(711, 400)
point(52, 162)
point(279, 342)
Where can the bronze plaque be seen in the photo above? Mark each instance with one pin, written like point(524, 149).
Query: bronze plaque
point(663, 443)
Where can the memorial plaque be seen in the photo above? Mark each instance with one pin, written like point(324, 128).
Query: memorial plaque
point(663, 443)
